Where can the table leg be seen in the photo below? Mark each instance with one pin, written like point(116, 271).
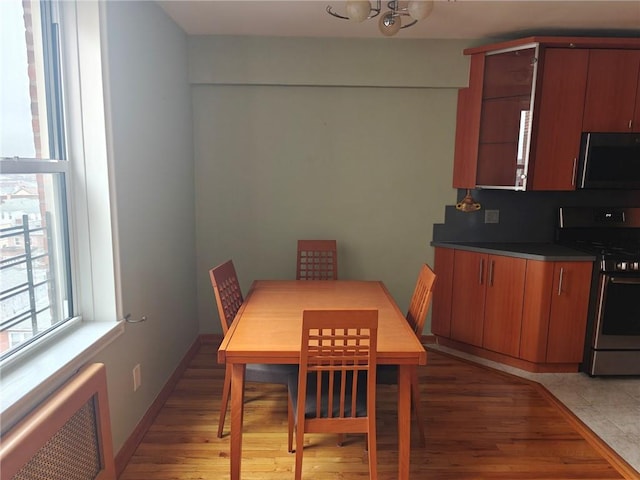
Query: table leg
point(237, 411)
point(404, 420)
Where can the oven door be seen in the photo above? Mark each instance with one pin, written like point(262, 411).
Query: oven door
point(618, 312)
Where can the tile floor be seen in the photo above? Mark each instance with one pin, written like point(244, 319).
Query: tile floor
point(609, 406)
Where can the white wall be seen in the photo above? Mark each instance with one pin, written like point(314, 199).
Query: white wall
point(152, 155)
point(310, 138)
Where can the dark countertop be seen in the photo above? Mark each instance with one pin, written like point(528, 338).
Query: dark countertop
point(547, 252)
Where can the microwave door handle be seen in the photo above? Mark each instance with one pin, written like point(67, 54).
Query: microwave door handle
point(626, 280)
point(574, 171)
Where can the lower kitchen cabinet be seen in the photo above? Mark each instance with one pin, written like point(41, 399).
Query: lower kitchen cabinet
point(468, 297)
point(487, 300)
point(555, 311)
point(510, 308)
point(503, 304)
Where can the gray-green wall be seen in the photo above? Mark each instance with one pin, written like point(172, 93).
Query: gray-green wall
point(321, 138)
point(152, 158)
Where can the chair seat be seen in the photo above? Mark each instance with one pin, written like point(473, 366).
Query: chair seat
point(311, 404)
point(270, 373)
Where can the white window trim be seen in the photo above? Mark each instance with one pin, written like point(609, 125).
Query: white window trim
point(43, 368)
point(29, 376)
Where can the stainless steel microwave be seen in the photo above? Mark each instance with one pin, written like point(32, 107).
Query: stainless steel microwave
point(609, 161)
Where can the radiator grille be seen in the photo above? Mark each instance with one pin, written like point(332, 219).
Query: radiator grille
point(73, 453)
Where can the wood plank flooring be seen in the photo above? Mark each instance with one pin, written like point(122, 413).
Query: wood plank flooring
point(480, 424)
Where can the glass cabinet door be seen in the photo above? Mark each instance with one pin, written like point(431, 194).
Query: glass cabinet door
point(507, 113)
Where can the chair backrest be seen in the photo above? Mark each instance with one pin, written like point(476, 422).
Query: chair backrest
point(340, 347)
point(317, 260)
point(227, 291)
point(421, 299)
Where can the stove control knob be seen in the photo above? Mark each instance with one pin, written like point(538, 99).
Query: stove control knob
point(622, 266)
point(635, 266)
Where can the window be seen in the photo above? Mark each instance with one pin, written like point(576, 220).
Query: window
point(36, 290)
point(60, 301)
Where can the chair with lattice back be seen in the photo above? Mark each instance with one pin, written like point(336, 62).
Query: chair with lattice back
point(418, 308)
point(335, 389)
point(317, 260)
point(229, 300)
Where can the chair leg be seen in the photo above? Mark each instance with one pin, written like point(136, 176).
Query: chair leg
point(415, 397)
point(290, 421)
point(226, 390)
point(299, 448)
point(373, 450)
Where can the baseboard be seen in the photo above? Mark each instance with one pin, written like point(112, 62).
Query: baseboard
point(428, 339)
point(508, 360)
point(211, 339)
point(128, 449)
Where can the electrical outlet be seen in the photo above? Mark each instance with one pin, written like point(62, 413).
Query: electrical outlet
point(137, 377)
point(492, 216)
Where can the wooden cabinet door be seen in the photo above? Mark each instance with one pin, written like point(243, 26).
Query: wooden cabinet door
point(503, 304)
point(536, 309)
point(558, 119)
point(467, 305)
point(635, 127)
point(569, 309)
point(442, 293)
point(466, 146)
point(468, 127)
point(612, 84)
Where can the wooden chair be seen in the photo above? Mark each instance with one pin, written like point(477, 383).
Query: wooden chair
point(335, 389)
point(317, 260)
point(418, 308)
point(229, 300)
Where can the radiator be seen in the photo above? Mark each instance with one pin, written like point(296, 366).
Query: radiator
point(67, 437)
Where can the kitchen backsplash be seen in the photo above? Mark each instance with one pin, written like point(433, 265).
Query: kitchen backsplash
point(522, 216)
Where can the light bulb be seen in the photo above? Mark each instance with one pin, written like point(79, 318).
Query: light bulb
point(420, 9)
point(358, 10)
point(389, 24)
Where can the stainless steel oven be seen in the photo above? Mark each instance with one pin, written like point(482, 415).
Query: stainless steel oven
point(612, 341)
point(615, 342)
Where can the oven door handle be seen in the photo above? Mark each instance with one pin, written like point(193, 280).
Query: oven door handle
point(625, 280)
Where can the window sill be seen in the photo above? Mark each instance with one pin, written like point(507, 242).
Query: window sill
point(29, 380)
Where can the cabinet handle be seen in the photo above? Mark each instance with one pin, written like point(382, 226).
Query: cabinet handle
point(481, 271)
point(573, 172)
point(630, 124)
point(491, 273)
point(560, 282)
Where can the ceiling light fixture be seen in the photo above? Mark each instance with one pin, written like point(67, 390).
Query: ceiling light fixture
point(391, 21)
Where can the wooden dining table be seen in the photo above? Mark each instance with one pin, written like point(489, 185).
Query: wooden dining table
point(268, 329)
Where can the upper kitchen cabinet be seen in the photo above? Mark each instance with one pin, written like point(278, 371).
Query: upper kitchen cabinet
point(520, 120)
point(505, 117)
point(612, 102)
point(553, 156)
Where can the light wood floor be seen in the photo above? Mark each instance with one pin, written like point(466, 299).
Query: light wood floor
point(480, 423)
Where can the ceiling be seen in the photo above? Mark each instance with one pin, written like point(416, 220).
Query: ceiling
point(461, 19)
